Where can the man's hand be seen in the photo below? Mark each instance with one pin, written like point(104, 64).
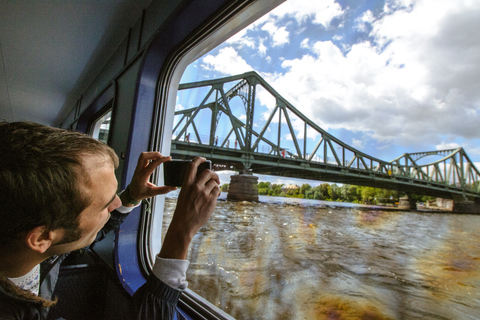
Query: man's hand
point(140, 188)
point(195, 205)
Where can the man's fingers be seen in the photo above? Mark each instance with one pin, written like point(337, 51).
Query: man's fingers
point(191, 173)
point(148, 161)
point(145, 158)
point(208, 175)
point(214, 188)
point(160, 190)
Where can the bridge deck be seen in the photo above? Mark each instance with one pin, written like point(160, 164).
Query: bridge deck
point(261, 163)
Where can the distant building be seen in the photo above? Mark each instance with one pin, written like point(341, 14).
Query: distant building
point(290, 187)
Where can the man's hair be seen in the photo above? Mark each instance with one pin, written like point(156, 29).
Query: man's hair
point(43, 178)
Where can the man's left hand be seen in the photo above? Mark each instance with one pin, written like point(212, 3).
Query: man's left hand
point(140, 188)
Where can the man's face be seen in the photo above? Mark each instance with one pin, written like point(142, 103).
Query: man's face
point(103, 200)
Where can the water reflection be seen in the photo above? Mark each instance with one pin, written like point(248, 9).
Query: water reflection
point(310, 260)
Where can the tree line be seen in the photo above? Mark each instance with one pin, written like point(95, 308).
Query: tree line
point(332, 192)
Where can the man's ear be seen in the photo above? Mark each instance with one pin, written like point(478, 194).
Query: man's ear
point(39, 239)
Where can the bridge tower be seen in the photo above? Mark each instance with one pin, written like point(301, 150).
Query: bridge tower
point(244, 186)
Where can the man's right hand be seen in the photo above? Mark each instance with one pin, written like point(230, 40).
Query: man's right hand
point(195, 205)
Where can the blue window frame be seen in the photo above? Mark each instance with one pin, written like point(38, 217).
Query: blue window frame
point(191, 31)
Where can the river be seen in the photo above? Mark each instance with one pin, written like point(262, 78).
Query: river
point(293, 259)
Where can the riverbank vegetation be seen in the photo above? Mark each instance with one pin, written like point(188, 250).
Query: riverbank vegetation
point(331, 192)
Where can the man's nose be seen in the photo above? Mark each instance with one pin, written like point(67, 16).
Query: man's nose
point(115, 204)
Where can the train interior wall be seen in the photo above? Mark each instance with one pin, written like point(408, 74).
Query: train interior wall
point(88, 278)
point(88, 285)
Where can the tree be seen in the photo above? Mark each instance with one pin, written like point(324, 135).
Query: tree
point(305, 188)
point(333, 192)
point(368, 194)
point(310, 194)
point(323, 189)
point(263, 191)
point(264, 185)
point(353, 194)
point(277, 189)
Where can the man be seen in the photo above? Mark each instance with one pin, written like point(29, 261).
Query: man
point(58, 194)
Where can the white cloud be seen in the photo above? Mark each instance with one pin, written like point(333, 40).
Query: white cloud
point(317, 12)
point(357, 144)
point(280, 35)
point(472, 148)
point(337, 37)
point(227, 61)
point(322, 12)
point(241, 39)
point(362, 21)
point(262, 49)
point(419, 80)
point(265, 99)
point(304, 43)
point(447, 146)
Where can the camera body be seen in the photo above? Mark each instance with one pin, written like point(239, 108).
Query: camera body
point(174, 171)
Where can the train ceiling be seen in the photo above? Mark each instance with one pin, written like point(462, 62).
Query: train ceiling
point(49, 50)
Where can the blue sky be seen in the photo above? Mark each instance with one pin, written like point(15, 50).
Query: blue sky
point(386, 77)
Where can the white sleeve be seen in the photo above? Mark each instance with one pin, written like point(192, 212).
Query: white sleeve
point(172, 272)
point(123, 209)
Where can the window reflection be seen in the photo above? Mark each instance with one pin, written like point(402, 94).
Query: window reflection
point(101, 127)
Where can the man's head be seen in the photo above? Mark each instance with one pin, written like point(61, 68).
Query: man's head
point(48, 176)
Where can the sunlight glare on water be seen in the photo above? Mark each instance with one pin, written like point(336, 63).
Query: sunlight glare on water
point(312, 260)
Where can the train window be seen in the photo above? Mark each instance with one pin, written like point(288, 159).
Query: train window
point(303, 256)
point(100, 128)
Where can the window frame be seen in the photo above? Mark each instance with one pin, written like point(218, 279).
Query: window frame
point(92, 128)
point(98, 108)
point(175, 45)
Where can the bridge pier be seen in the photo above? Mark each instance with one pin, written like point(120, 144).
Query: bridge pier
point(462, 205)
point(466, 207)
point(407, 203)
point(243, 187)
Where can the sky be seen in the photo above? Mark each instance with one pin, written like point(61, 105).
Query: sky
point(386, 77)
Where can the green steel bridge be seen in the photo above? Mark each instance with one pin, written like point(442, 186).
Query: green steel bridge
point(225, 126)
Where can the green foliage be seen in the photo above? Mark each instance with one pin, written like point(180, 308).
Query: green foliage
point(333, 192)
point(266, 185)
point(224, 187)
point(263, 191)
point(305, 188)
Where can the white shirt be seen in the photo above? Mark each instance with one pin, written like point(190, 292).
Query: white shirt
point(30, 281)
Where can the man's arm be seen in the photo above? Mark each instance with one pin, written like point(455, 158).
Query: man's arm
point(158, 297)
point(195, 205)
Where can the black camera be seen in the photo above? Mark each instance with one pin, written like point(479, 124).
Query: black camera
point(174, 171)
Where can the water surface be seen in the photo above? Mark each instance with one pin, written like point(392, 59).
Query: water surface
point(306, 259)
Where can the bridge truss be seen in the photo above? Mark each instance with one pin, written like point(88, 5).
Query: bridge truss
point(231, 127)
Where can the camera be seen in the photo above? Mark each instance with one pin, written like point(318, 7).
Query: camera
point(174, 171)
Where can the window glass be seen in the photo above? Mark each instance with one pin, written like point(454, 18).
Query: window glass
point(101, 127)
point(386, 77)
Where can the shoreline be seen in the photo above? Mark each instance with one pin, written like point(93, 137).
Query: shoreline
point(321, 203)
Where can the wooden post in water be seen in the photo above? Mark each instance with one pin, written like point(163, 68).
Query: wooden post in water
point(243, 187)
